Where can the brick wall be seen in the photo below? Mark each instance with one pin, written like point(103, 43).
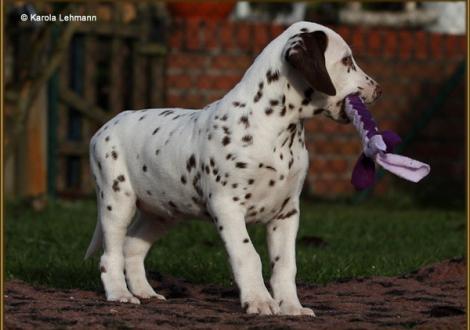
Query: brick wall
point(206, 59)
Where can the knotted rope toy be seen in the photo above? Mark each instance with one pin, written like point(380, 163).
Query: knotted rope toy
point(377, 147)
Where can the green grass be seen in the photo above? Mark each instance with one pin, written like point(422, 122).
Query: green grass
point(368, 239)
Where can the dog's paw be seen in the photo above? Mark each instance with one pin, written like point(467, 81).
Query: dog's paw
point(295, 309)
point(262, 306)
point(145, 291)
point(148, 294)
point(127, 298)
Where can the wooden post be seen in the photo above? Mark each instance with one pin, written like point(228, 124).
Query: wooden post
point(89, 93)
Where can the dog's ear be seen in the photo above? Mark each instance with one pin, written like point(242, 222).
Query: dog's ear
point(307, 55)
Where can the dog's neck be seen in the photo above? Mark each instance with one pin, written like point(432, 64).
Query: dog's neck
point(273, 100)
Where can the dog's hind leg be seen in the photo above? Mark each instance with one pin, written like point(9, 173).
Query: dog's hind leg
point(141, 235)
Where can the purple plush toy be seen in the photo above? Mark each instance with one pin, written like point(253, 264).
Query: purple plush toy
point(377, 147)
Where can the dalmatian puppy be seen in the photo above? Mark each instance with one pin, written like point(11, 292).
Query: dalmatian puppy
point(240, 160)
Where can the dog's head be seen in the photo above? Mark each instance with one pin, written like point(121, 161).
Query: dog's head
point(325, 62)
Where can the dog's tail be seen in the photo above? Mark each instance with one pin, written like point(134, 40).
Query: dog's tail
point(96, 241)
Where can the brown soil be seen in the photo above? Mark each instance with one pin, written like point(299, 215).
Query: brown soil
point(433, 297)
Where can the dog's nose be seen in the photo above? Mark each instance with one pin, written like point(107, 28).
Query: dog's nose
point(377, 91)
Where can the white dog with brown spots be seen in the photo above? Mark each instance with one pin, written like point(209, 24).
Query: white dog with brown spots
point(241, 159)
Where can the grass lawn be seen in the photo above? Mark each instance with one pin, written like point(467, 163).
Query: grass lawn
point(357, 240)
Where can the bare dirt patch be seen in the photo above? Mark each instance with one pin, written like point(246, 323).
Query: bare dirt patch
point(433, 297)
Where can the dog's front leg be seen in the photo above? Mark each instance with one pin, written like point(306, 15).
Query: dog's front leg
point(245, 261)
point(281, 244)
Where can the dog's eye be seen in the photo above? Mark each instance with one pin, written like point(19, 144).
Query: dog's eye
point(347, 60)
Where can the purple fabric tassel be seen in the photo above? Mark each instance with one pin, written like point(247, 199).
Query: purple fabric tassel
point(378, 147)
point(363, 175)
point(391, 139)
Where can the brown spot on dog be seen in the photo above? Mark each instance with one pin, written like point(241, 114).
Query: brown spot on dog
point(225, 140)
point(247, 139)
point(257, 96)
point(191, 163)
point(244, 120)
point(272, 76)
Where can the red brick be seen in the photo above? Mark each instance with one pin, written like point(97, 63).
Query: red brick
point(226, 36)
point(421, 47)
point(319, 187)
point(183, 100)
point(243, 62)
point(175, 39)
point(173, 99)
point(276, 30)
point(179, 81)
point(318, 165)
point(357, 42)
point(340, 187)
point(186, 61)
point(240, 62)
point(436, 45)
point(351, 147)
point(176, 61)
point(331, 187)
point(194, 101)
point(205, 82)
point(193, 34)
point(319, 147)
point(312, 125)
point(214, 95)
point(406, 44)
point(328, 126)
point(210, 34)
point(339, 165)
point(225, 82)
point(222, 61)
point(390, 125)
point(374, 43)
point(390, 43)
point(260, 36)
point(344, 32)
point(244, 36)
point(329, 167)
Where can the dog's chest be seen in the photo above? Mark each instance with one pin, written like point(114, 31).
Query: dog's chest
point(278, 183)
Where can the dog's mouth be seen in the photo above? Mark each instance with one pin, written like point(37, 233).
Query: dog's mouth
point(342, 116)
